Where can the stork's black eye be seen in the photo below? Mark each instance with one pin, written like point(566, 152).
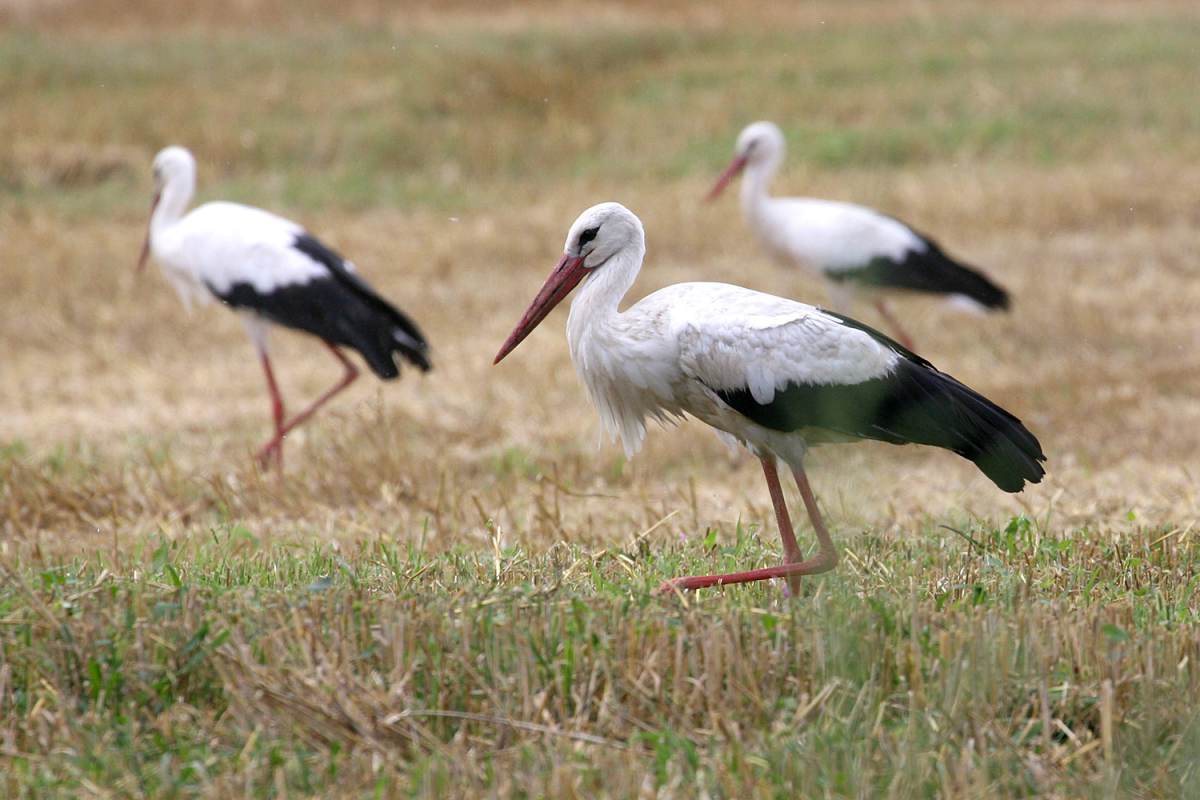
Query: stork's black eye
point(587, 236)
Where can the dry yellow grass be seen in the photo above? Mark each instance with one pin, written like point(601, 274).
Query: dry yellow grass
point(1099, 356)
point(450, 175)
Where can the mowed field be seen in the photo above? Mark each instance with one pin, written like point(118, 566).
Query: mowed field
point(450, 590)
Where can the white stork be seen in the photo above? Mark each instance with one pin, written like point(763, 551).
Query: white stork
point(853, 247)
point(774, 375)
point(273, 271)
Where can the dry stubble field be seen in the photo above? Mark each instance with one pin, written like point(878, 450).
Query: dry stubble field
point(450, 590)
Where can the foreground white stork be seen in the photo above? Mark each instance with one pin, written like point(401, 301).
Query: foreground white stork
point(855, 248)
point(774, 374)
point(273, 271)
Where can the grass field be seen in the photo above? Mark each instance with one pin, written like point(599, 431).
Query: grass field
point(450, 591)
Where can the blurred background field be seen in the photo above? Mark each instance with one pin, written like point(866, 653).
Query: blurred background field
point(476, 568)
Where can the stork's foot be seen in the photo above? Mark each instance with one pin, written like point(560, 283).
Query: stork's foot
point(693, 582)
point(272, 451)
point(822, 562)
point(825, 559)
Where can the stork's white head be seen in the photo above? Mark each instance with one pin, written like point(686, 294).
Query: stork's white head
point(596, 236)
point(760, 144)
point(759, 141)
point(602, 231)
point(172, 164)
point(174, 179)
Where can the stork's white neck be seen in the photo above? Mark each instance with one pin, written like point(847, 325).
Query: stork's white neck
point(597, 302)
point(619, 356)
point(173, 202)
point(757, 178)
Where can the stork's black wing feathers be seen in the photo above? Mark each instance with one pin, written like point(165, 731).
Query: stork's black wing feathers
point(929, 270)
point(407, 336)
point(913, 404)
point(342, 309)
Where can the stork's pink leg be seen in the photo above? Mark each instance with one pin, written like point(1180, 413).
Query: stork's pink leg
point(346, 379)
point(822, 562)
point(791, 550)
point(827, 555)
point(276, 414)
point(902, 336)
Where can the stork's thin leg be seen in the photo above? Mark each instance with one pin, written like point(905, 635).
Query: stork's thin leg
point(827, 557)
point(791, 551)
point(822, 562)
point(902, 336)
point(346, 379)
point(276, 414)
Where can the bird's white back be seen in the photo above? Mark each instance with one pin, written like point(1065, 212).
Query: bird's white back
point(830, 236)
point(221, 244)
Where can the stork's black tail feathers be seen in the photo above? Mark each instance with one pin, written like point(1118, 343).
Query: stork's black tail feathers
point(955, 277)
point(360, 318)
point(915, 403)
point(928, 270)
point(378, 330)
point(930, 407)
point(384, 331)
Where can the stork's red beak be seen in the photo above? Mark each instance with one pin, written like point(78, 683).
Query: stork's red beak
point(141, 264)
point(729, 174)
point(566, 276)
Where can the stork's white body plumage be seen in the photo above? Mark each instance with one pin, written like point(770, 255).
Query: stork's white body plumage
point(773, 374)
point(824, 236)
point(220, 244)
point(673, 351)
point(856, 249)
point(272, 271)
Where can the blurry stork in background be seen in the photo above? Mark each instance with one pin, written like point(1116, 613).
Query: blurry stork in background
point(853, 247)
point(273, 271)
point(772, 374)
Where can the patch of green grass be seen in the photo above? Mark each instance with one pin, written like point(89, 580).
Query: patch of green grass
point(13, 450)
point(921, 665)
point(516, 461)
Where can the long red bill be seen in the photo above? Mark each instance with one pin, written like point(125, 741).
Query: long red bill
point(566, 276)
point(730, 172)
point(145, 254)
